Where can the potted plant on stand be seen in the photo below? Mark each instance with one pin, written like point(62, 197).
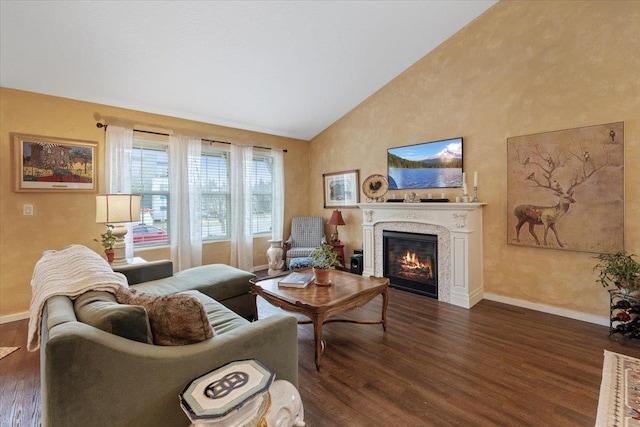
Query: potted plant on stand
point(620, 270)
point(107, 240)
point(322, 259)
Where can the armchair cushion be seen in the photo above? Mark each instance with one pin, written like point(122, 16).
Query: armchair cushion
point(307, 231)
point(299, 262)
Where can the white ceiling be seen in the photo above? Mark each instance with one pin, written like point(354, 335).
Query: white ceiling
point(288, 68)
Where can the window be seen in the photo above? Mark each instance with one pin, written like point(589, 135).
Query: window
point(216, 195)
point(150, 179)
point(262, 193)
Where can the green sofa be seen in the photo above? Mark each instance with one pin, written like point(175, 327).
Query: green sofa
point(93, 377)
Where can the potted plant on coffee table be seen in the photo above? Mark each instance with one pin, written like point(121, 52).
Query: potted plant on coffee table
point(620, 270)
point(322, 259)
point(107, 240)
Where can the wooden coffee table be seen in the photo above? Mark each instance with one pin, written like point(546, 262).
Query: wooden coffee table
point(318, 303)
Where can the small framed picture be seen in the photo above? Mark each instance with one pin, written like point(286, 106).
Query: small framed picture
point(44, 163)
point(341, 189)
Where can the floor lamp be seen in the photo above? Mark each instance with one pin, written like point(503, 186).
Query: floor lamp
point(117, 210)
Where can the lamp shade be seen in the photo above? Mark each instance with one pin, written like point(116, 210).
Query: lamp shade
point(114, 208)
point(336, 218)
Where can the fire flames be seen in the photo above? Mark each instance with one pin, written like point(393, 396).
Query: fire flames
point(411, 266)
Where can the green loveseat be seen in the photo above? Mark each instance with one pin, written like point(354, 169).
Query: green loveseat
point(91, 377)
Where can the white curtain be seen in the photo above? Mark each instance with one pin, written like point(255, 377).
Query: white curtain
point(118, 146)
point(241, 179)
point(277, 212)
point(185, 221)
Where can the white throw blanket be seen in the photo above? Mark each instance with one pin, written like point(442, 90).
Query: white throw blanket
point(71, 271)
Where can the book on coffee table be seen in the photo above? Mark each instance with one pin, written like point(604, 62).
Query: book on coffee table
point(296, 280)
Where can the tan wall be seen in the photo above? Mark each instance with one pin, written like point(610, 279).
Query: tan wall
point(520, 68)
point(64, 218)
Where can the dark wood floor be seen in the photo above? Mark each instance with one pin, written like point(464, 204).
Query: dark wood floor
point(437, 365)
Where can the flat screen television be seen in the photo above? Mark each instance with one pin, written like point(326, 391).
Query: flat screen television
point(436, 164)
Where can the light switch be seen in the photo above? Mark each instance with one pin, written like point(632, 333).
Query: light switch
point(27, 210)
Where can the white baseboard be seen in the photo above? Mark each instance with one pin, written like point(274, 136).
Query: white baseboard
point(260, 267)
point(14, 317)
point(577, 315)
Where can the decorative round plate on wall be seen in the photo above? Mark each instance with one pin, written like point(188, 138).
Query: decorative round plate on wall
point(375, 187)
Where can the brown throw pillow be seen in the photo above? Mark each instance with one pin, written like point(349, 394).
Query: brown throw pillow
point(175, 319)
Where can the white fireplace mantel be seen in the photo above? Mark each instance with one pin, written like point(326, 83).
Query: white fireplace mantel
point(459, 230)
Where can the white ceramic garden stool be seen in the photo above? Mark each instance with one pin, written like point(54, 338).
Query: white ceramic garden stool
point(275, 255)
point(242, 393)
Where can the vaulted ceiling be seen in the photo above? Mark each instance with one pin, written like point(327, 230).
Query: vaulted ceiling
point(288, 68)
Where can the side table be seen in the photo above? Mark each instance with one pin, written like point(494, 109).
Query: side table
point(138, 270)
point(338, 248)
point(130, 261)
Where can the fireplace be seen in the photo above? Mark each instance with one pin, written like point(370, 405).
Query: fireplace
point(411, 262)
point(457, 267)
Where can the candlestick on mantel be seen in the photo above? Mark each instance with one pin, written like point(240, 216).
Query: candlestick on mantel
point(475, 187)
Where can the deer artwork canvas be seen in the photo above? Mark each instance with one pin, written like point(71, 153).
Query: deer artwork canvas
point(565, 189)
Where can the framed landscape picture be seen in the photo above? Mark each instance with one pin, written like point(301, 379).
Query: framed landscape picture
point(341, 189)
point(44, 163)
